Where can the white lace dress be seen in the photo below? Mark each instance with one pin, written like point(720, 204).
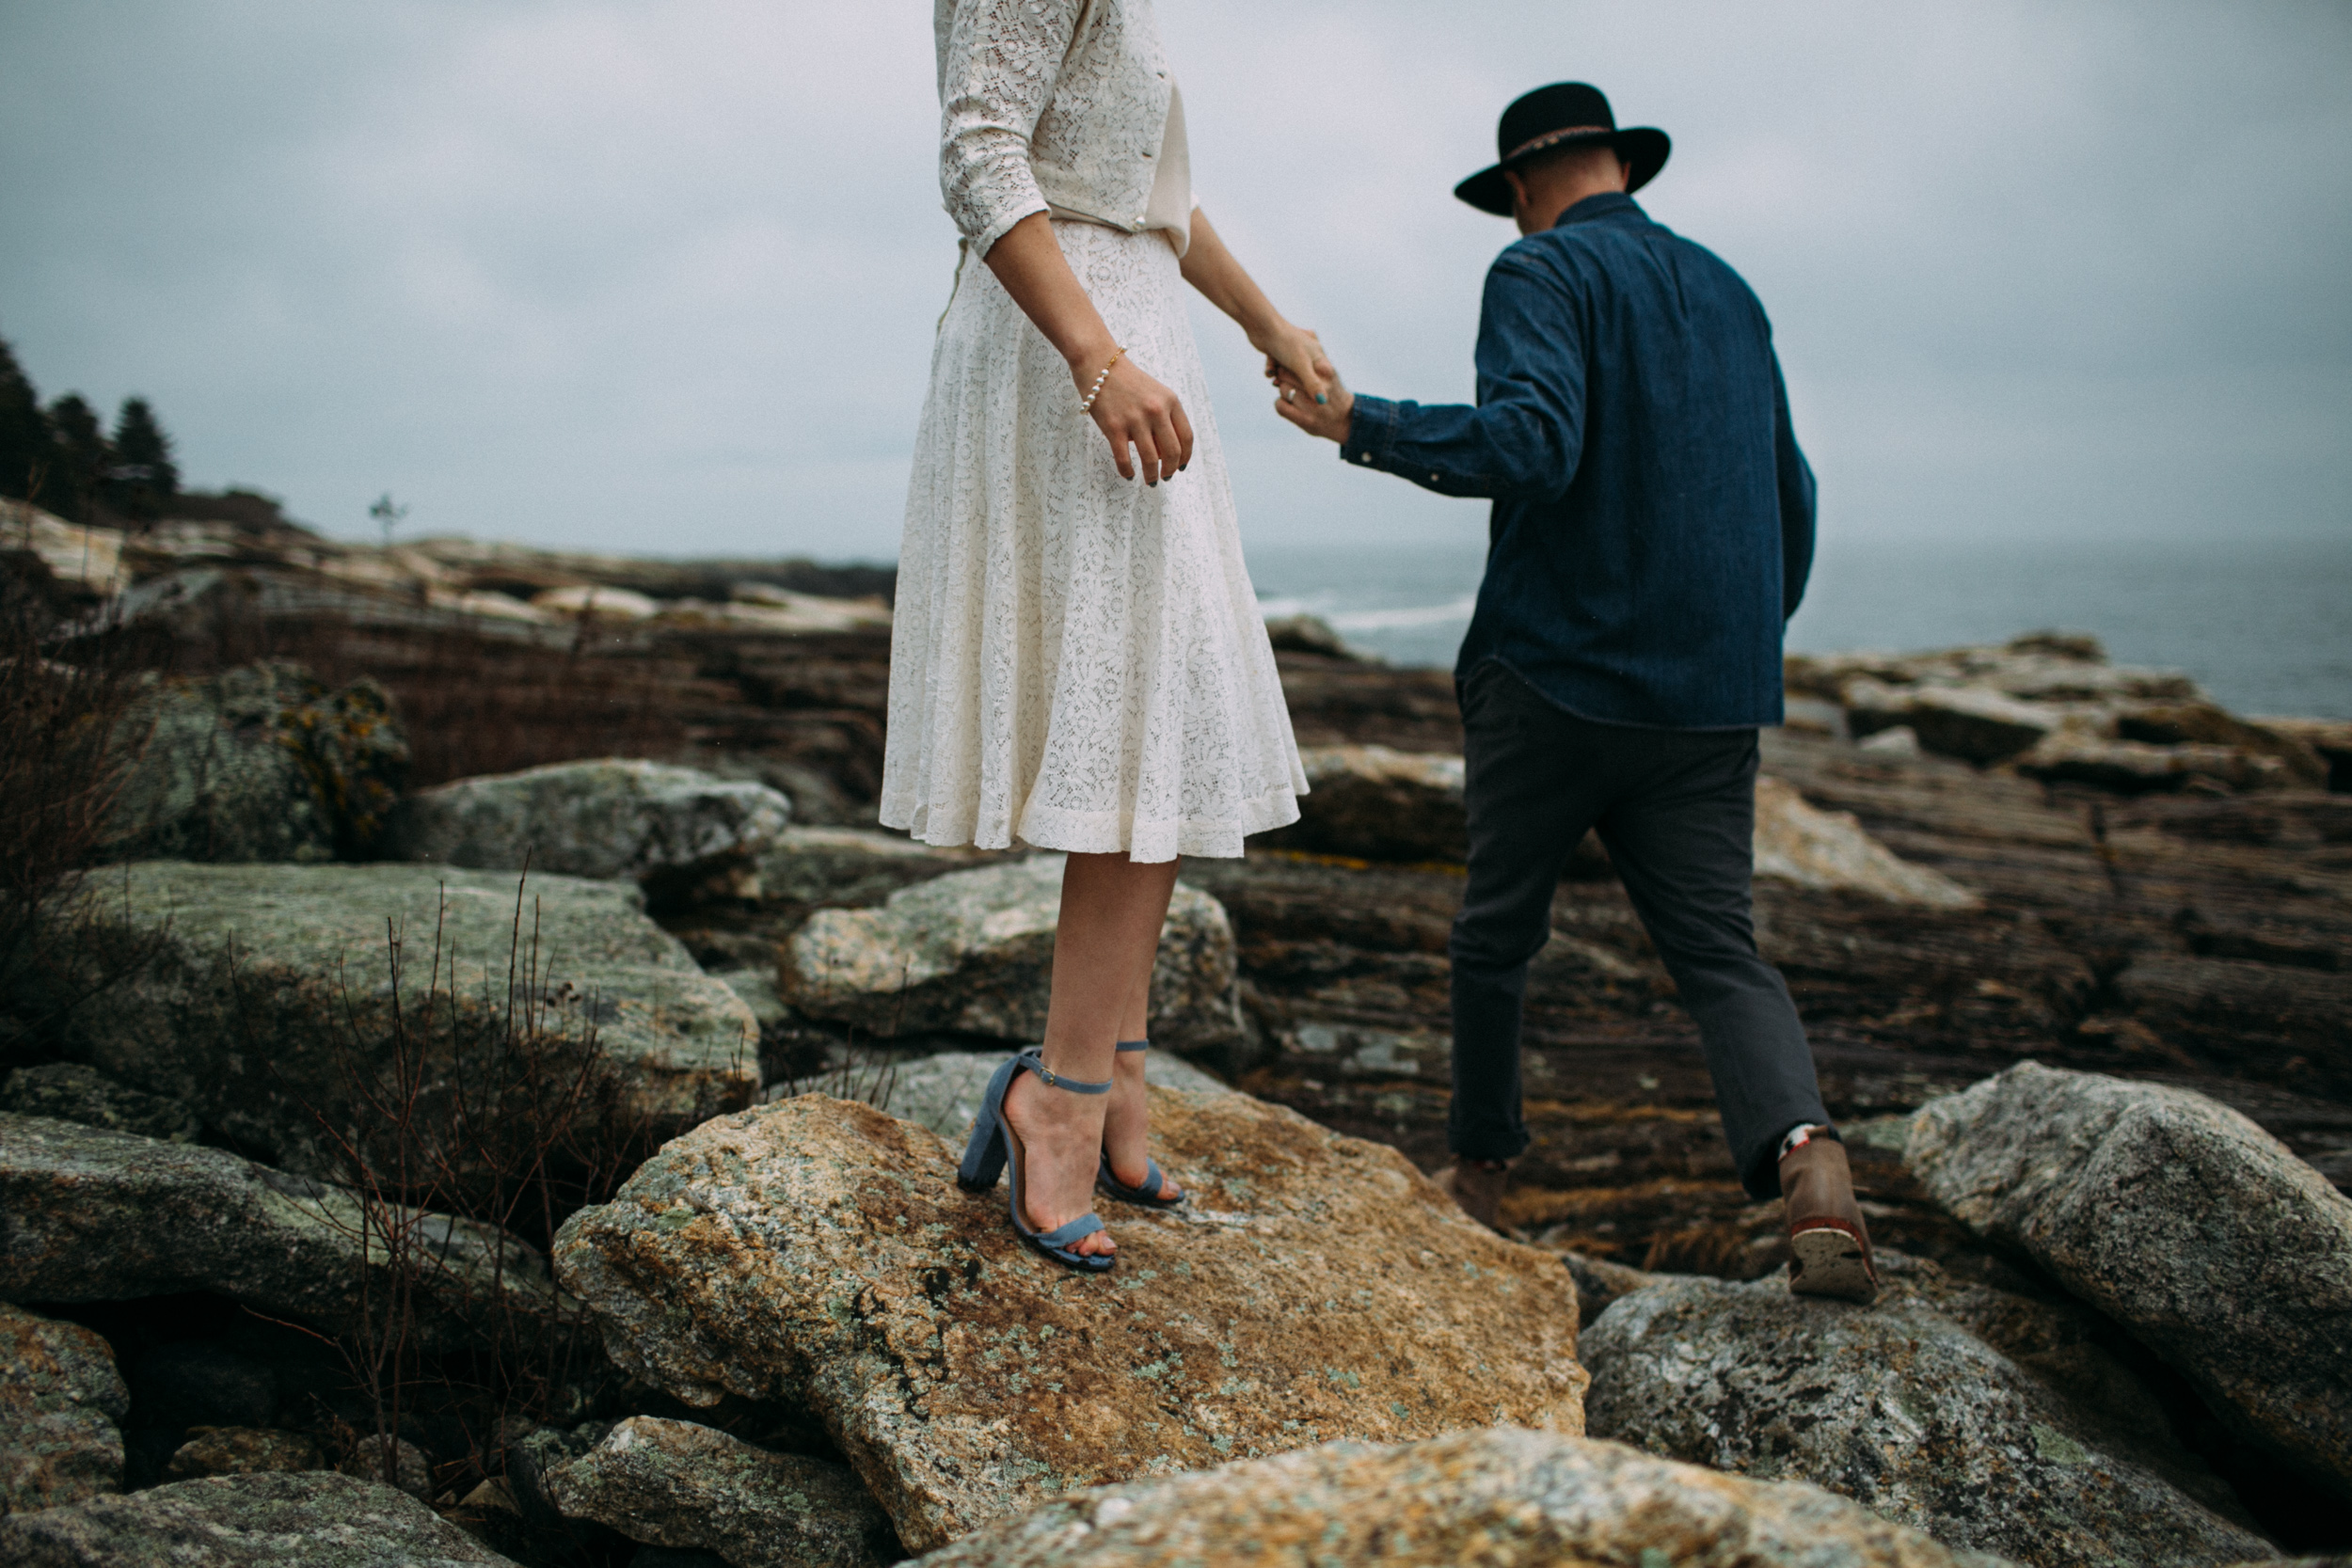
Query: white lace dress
point(1078, 661)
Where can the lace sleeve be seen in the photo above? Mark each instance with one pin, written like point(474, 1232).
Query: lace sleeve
point(996, 73)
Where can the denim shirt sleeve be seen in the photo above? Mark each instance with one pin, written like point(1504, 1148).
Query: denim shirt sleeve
point(1794, 479)
point(1524, 437)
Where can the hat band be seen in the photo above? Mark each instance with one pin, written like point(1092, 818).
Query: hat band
point(1548, 137)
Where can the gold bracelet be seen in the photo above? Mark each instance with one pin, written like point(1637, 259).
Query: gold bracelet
point(1096, 391)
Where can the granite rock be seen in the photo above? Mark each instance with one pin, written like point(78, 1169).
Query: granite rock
point(60, 1403)
point(673, 1483)
point(607, 818)
point(2201, 1234)
point(90, 1216)
point(1796, 843)
point(243, 1452)
point(852, 865)
point(942, 1092)
point(393, 1462)
point(818, 1252)
point(68, 1091)
point(262, 987)
point(317, 1520)
point(1500, 1498)
point(259, 763)
point(972, 953)
point(1897, 1407)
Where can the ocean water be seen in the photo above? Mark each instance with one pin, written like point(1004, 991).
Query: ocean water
point(2265, 625)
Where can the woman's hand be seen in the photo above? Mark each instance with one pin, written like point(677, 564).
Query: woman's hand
point(1328, 416)
point(1143, 420)
point(1299, 352)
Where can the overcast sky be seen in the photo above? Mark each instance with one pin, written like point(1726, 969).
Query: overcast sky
point(661, 275)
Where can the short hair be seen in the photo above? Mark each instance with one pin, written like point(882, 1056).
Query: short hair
point(1554, 157)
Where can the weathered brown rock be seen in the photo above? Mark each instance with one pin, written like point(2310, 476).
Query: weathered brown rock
point(316, 1520)
point(1315, 1288)
point(673, 1483)
point(2179, 1218)
point(852, 865)
point(60, 1398)
point(1829, 851)
point(245, 1452)
point(1500, 1498)
point(1379, 804)
point(1897, 1407)
point(972, 953)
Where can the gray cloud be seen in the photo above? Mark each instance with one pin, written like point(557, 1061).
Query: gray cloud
point(661, 275)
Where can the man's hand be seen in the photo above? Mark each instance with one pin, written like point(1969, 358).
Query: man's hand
point(1297, 403)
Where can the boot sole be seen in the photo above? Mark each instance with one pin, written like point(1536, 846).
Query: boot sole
point(1831, 1264)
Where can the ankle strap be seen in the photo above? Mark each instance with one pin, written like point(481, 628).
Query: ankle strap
point(1125, 1046)
point(1037, 1063)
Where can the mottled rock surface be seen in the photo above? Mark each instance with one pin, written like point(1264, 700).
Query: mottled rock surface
point(89, 1215)
point(259, 763)
point(243, 1452)
point(262, 982)
point(68, 1091)
point(1500, 1498)
point(2200, 1233)
point(1897, 1407)
point(60, 1399)
point(673, 1483)
point(1827, 849)
point(1315, 1288)
point(612, 817)
point(393, 1462)
point(972, 953)
point(852, 865)
point(256, 1521)
point(944, 1092)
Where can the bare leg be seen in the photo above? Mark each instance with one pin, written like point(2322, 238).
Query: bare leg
point(1127, 1119)
point(1112, 908)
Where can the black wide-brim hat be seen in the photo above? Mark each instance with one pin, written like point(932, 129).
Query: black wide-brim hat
point(1565, 114)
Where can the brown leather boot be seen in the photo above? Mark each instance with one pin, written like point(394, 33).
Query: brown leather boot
point(1477, 1186)
point(1831, 1247)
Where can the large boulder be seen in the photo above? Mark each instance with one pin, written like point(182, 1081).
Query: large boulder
point(2200, 1233)
point(1370, 802)
point(68, 1091)
point(259, 763)
point(944, 1092)
point(1899, 1408)
point(263, 998)
point(673, 1483)
point(1797, 843)
point(1501, 1499)
point(92, 1215)
point(612, 817)
point(61, 1401)
point(250, 1521)
point(972, 953)
point(1972, 723)
point(1317, 1287)
point(852, 865)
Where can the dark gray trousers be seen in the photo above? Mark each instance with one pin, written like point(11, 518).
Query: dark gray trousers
point(1676, 810)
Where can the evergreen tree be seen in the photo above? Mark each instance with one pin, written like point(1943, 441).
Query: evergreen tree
point(25, 451)
point(143, 476)
point(81, 459)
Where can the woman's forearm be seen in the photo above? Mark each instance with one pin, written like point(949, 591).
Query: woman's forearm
point(1029, 263)
point(1211, 268)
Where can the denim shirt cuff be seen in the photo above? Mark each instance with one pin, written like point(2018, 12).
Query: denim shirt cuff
point(1371, 431)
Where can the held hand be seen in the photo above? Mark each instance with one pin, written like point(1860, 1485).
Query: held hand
point(1299, 352)
point(1132, 410)
point(1328, 418)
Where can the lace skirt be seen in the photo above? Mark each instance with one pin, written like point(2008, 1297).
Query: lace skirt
point(1078, 660)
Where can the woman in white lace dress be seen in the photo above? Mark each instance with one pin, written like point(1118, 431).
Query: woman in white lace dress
point(1079, 663)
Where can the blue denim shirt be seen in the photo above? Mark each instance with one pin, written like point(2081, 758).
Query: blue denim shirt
point(1653, 517)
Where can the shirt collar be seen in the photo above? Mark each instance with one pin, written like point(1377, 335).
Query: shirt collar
point(1607, 204)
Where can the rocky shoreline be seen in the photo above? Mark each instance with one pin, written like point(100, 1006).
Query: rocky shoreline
point(432, 1139)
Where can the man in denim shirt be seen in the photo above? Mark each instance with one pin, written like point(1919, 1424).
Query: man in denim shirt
point(1652, 532)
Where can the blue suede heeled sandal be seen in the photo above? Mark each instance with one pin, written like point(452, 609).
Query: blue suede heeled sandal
point(993, 1142)
point(1147, 1194)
